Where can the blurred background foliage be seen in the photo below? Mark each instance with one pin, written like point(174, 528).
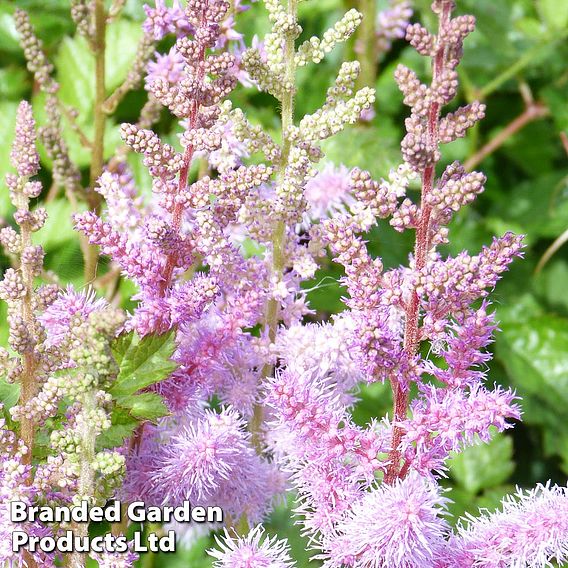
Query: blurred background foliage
point(516, 63)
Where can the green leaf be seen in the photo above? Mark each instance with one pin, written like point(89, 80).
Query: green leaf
point(78, 153)
point(9, 38)
point(142, 178)
point(145, 406)
point(485, 465)
point(122, 427)
point(492, 498)
point(324, 291)
point(13, 83)
point(75, 73)
point(533, 350)
point(58, 229)
point(375, 400)
point(539, 206)
point(252, 248)
point(142, 361)
point(9, 394)
point(372, 148)
point(122, 44)
point(554, 13)
point(555, 437)
point(551, 283)
point(460, 502)
point(76, 65)
point(281, 522)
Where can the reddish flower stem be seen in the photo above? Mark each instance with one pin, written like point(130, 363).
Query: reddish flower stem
point(177, 214)
point(422, 247)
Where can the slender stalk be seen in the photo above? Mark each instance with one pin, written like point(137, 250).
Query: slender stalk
point(564, 139)
point(367, 43)
point(86, 482)
point(279, 233)
point(422, 246)
point(531, 113)
point(183, 176)
point(28, 383)
point(551, 251)
point(98, 144)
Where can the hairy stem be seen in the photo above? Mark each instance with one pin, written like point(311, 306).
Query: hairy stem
point(422, 247)
point(28, 384)
point(98, 145)
point(86, 485)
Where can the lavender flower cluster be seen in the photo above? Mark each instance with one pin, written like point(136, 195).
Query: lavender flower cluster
point(258, 401)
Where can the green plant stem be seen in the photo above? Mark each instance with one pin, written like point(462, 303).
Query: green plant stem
point(86, 482)
point(97, 157)
point(28, 384)
point(366, 38)
point(279, 233)
point(28, 377)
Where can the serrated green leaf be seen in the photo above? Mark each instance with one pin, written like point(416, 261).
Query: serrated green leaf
point(121, 346)
point(483, 466)
point(122, 427)
point(145, 406)
point(142, 361)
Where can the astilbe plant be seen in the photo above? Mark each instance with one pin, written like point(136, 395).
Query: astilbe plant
point(197, 454)
point(258, 401)
point(61, 355)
